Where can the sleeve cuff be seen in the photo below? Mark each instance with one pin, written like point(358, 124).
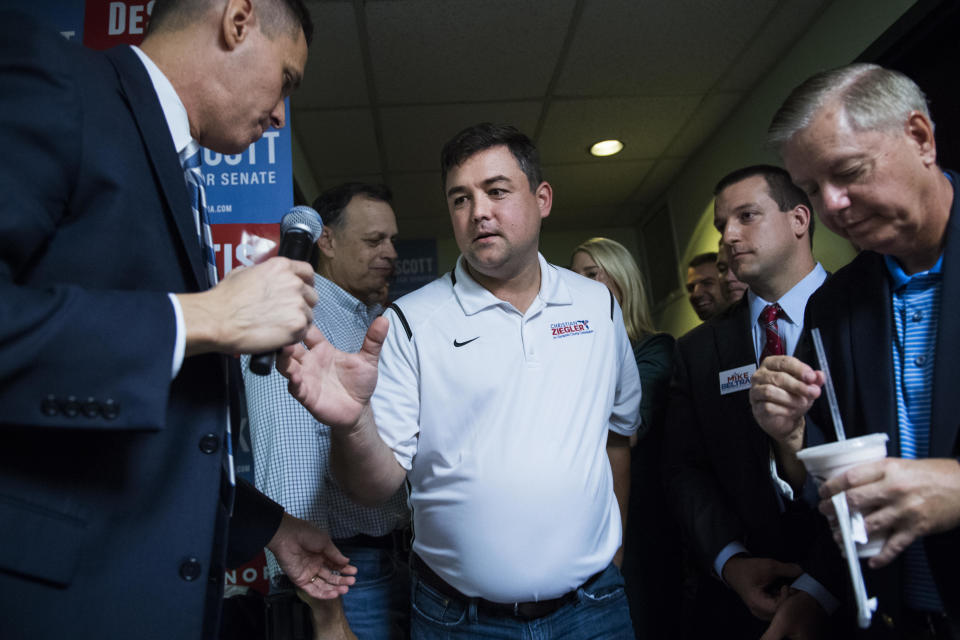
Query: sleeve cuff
point(808, 583)
point(725, 554)
point(180, 346)
point(783, 487)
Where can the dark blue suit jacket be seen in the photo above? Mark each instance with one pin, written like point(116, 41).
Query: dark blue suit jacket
point(113, 516)
point(717, 474)
point(853, 311)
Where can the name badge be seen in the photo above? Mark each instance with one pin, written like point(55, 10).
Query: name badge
point(733, 380)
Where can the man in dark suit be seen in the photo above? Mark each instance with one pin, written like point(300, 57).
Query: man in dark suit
point(743, 528)
point(115, 487)
point(860, 141)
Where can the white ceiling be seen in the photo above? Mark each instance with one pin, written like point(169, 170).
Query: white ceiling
point(389, 81)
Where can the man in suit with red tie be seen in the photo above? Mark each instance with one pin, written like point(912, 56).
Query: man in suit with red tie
point(750, 537)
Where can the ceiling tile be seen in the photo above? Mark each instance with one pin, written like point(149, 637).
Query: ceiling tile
point(770, 42)
point(645, 125)
point(338, 141)
point(457, 50)
point(414, 136)
point(631, 47)
point(334, 76)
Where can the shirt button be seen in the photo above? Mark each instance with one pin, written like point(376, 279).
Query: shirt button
point(190, 569)
point(91, 408)
point(110, 409)
point(71, 407)
point(209, 443)
point(50, 406)
point(920, 360)
point(917, 316)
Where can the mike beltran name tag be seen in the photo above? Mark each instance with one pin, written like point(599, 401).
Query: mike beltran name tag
point(733, 380)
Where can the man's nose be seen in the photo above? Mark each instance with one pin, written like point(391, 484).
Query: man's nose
point(278, 116)
point(833, 198)
point(390, 251)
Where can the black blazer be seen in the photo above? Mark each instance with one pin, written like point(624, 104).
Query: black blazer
point(114, 519)
point(716, 460)
point(854, 314)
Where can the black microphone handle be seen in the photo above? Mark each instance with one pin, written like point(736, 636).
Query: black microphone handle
point(296, 244)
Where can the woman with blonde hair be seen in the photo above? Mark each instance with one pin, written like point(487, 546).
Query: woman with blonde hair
point(652, 564)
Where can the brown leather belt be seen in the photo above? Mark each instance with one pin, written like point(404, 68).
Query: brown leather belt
point(396, 540)
point(523, 610)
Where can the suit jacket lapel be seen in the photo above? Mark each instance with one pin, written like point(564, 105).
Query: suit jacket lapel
point(734, 340)
point(946, 400)
point(145, 107)
point(871, 325)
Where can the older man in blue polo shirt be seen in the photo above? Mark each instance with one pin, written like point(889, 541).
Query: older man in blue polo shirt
point(859, 140)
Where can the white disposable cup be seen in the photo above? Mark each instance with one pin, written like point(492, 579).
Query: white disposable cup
point(828, 460)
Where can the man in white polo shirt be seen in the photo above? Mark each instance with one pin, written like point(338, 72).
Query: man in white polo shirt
point(502, 388)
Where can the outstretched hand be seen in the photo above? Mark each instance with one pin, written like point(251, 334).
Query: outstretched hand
point(310, 560)
point(333, 385)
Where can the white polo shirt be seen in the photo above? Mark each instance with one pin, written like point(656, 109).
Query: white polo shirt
point(501, 420)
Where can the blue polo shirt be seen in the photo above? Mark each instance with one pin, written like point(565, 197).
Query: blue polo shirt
point(916, 314)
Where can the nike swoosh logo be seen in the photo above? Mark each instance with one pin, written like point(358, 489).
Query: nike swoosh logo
point(460, 344)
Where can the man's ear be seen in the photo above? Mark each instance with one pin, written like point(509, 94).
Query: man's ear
point(238, 19)
point(800, 219)
point(326, 243)
point(919, 130)
point(544, 196)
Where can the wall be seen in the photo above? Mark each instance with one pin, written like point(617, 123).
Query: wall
point(844, 30)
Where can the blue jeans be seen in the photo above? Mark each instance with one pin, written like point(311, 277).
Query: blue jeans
point(600, 612)
point(378, 605)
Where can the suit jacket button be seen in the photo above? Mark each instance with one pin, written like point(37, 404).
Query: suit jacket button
point(209, 443)
point(110, 409)
point(190, 569)
point(71, 408)
point(91, 408)
point(50, 406)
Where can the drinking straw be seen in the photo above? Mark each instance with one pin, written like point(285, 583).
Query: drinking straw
point(828, 383)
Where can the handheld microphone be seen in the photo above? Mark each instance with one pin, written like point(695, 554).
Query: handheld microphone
point(300, 229)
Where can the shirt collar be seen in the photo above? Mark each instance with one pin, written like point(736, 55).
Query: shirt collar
point(900, 278)
point(794, 301)
point(173, 109)
point(473, 297)
point(332, 293)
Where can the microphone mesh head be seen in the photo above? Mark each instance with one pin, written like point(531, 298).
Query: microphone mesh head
point(304, 217)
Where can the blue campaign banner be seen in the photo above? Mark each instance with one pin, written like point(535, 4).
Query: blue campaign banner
point(416, 265)
point(66, 16)
point(255, 186)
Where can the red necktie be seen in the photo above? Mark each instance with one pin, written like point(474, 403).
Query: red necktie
point(768, 320)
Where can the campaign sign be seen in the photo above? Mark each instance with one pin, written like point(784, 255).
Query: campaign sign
point(416, 265)
point(253, 186)
point(110, 23)
point(243, 244)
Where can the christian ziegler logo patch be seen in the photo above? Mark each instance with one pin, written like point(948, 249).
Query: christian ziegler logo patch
point(570, 328)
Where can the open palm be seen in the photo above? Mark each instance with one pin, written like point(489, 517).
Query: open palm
point(333, 385)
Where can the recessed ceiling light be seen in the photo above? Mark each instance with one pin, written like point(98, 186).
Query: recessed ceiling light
point(606, 148)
